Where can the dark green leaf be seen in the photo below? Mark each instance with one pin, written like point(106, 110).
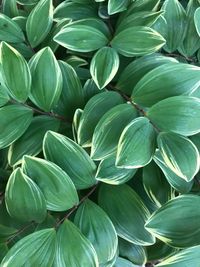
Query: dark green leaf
point(58, 189)
point(24, 200)
point(36, 249)
point(15, 119)
point(136, 144)
point(116, 6)
point(68, 155)
point(75, 250)
point(179, 114)
point(127, 212)
point(184, 209)
point(97, 227)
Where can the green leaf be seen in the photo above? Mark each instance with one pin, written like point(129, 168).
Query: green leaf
point(178, 183)
point(137, 41)
point(156, 185)
point(95, 108)
point(108, 173)
point(6, 231)
point(120, 262)
point(3, 250)
point(188, 257)
point(58, 189)
point(197, 20)
point(116, 6)
point(72, 92)
point(166, 81)
point(141, 18)
point(109, 128)
point(30, 143)
point(4, 98)
point(24, 200)
point(10, 31)
point(184, 209)
point(46, 79)
point(68, 155)
point(27, 2)
point(132, 252)
point(175, 16)
point(36, 249)
point(127, 212)
point(144, 5)
point(104, 66)
point(175, 150)
point(138, 68)
point(18, 84)
point(179, 114)
point(98, 228)
point(196, 141)
point(39, 22)
point(136, 144)
point(75, 250)
point(15, 119)
point(75, 123)
point(191, 42)
point(75, 11)
point(83, 35)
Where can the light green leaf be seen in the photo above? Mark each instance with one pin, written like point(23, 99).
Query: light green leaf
point(104, 65)
point(68, 155)
point(166, 81)
point(39, 22)
point(184, 209)
point(191, 42)
point(141, 18)
point(156, 185)
point(108, 173)
point(24, 200)
point(58, 189)
point(137, 41)
point(132, 252)
point(75, 123)
point(98, 228)
point(144, 5)
point(136, 144)
point(19, 83)
point(120, 262)
point(30, 143)
point(46, 79)
point(15, 119)
point(71, 96)
point(95, 108)
point(36, 249)
point(138, 68)
point(188, 257)
point(10, 31)
point(179, 114)
point(179, 154)
point(197, 20)
point(75, 250)
point(127, 212)
point(116, 6)
point(178, 183)
point(75, 11)
point(109, 128)
point(175, 16)
point(83, 35)
point(4, 98)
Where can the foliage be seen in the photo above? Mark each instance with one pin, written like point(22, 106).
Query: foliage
point(99, 133)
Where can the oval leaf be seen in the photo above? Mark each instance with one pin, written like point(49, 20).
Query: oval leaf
point(136, 144)
point(24, 200)
point(184, 209)
point(179, 114)
point(98, 228)
point(58, 189)
point(73, 248)
point(68, 155)
point(127, 212)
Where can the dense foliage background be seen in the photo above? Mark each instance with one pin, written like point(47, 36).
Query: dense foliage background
point(99, 133)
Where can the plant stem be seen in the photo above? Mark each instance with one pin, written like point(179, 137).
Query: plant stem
point(19, 232)
point(76, 206)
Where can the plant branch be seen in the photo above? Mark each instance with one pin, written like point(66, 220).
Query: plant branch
point(19, 232)
point(76, 206)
